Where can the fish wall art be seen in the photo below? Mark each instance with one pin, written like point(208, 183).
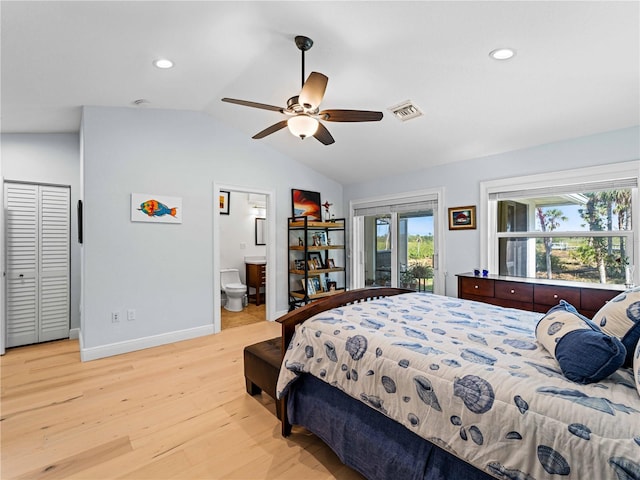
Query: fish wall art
point(153, 208)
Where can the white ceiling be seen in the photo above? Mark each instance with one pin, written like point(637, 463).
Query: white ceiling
point(576, 71)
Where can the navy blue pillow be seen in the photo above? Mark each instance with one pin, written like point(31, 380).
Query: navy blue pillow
point(584, 353)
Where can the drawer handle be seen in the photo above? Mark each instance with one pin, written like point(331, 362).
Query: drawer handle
point(475, 286)
point(513, 291)
point(555, 296)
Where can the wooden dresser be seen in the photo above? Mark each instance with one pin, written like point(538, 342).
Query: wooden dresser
point(255, 275)
point(533, 294)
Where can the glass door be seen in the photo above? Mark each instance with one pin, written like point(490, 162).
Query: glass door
point(377, 251)
point(415, 260)
point(395, 241)
point(399, 250)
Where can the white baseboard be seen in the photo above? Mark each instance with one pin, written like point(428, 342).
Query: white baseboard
point(102, 351)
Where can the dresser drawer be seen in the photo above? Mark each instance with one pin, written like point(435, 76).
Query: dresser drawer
point(592, 299)
point(551, 295)
point(520, 292)
point(477, 287)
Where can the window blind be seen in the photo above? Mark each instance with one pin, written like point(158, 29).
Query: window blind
point(596, 186)
point(398, 206)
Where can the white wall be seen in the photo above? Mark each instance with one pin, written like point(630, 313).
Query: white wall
point(462, 183)
point(49, 158)
point(165, 271)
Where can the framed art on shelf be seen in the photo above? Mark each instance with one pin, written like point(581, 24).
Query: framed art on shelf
point(307, 286)
point(316, 258)
point(316, 282)
point(306, 204)
point(225, 198)
point(462, 218)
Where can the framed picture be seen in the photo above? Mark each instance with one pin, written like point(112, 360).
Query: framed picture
point(316, 257)
point(225, 198)
point(461, 218)
point(310, 285)
point(299, 264)
point(331, 286)
point(151, 208)
point(260, 232)
point(322, 239)
point(306, 204)
point(311, 265)
point(331, 263)
point(316, 282)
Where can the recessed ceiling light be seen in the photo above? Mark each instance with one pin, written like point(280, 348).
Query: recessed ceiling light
point(502, 53)
point(163, 63)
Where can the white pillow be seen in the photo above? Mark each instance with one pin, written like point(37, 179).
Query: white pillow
point(620, 317)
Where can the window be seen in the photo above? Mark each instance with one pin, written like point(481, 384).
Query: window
point(572, 225)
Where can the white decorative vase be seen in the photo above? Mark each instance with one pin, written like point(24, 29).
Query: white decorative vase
point(628, 276)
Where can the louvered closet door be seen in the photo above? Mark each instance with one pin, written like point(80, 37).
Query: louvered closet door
point(21, 203)
point(37, 254)
point(54, 263)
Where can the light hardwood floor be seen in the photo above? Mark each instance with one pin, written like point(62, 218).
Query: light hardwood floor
point(177, 411)
point(250, 314)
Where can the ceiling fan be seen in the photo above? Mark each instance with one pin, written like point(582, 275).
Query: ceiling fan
point(303, 109)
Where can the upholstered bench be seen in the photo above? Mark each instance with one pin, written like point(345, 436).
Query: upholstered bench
point(261, 368)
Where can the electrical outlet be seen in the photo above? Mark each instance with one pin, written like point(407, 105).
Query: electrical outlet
point(115, 317)
point(131, 314)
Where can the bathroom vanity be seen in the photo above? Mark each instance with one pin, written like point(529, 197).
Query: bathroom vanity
point(255, 273)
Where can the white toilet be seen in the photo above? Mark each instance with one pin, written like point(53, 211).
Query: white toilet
point(233, 288)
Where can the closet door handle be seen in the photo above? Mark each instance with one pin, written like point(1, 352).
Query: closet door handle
point(21, 275)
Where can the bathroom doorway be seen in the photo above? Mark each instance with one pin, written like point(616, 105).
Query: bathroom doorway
point(242, 234)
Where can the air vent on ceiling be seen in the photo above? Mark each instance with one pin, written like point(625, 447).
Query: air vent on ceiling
point(406, 110)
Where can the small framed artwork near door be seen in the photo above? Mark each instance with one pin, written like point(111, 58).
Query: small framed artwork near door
point(461, 218)
point(225, 198)
point(260, 231)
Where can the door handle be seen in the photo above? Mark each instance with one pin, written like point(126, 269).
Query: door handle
point(21, 275)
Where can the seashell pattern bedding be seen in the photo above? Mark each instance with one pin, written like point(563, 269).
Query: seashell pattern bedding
point(471, 378)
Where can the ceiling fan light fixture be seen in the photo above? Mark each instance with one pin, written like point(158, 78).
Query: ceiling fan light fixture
point(302, 126)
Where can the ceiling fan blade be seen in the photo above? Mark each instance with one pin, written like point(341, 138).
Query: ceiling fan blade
point(246, 103)
point(313, 90)
point(323, 135)
point(269, 130)
point(350, 116)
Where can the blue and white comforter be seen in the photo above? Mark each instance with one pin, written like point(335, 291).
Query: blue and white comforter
point(471, 378)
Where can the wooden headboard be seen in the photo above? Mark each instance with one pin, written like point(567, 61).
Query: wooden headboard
point(293, 318)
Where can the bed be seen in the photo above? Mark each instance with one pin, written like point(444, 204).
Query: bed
point(416, 385)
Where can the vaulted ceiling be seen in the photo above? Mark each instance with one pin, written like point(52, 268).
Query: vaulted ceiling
point(576, 71)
